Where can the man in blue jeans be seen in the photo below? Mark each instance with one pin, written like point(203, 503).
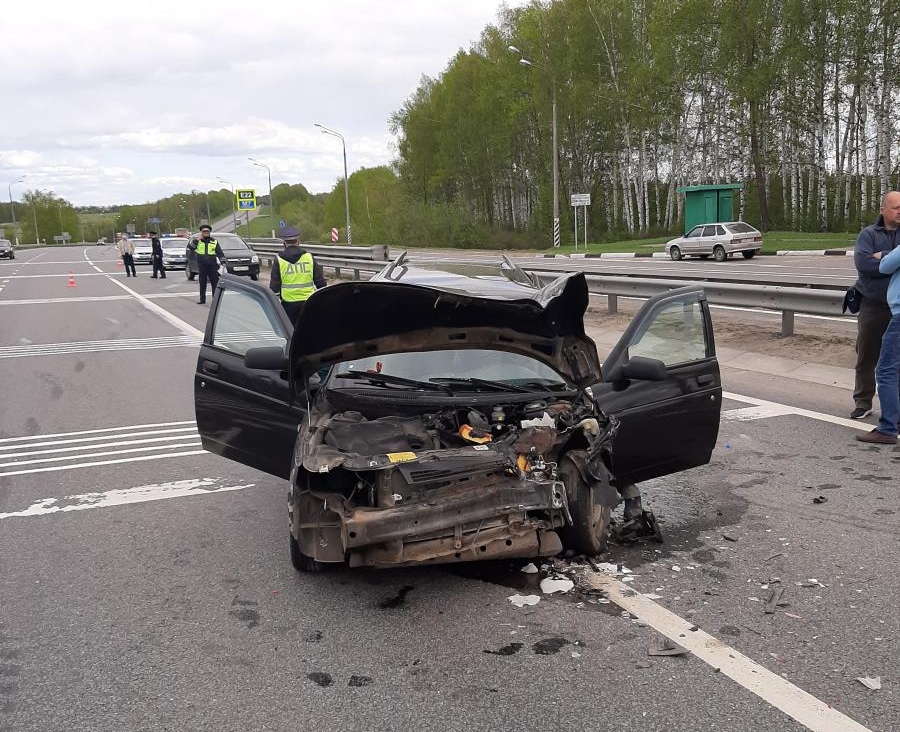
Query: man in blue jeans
point(887, 372)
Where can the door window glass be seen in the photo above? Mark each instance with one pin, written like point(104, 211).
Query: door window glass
point(720, 231)
point(674, 334)
point(696, 231)
point(243, 322)
point(709, 231)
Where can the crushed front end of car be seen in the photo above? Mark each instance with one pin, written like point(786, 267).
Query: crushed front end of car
point(448, 485)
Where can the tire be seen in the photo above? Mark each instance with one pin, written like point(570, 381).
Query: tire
point(720, 254)
point(188, 274)
point(675, 253)
point(254, 276)
point(303, 563)
point(12, 256)
point(750, 254)
point(590, 522)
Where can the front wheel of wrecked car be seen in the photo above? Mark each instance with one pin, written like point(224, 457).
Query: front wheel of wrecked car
point(303, 563)
point(590, 520)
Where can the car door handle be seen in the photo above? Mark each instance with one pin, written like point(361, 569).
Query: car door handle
point(704, 379)
point(211, 367)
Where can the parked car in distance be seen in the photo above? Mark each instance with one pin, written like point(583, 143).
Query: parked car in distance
point(463, 415)
point(718, 240)
point(240, 259)
point(6, 249)
point(174, 252)
point(143, 251)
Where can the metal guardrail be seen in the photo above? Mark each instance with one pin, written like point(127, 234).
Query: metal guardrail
point(378, 253)
point(788, 300)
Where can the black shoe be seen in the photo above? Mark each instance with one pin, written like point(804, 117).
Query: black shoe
point(878, 438)
point(201, 302)
point(153, 277)
point(860, 413)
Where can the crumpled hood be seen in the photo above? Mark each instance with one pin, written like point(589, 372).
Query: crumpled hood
point(353, 320)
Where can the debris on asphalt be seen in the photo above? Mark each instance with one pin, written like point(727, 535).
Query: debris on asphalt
point(530, 568)
point(676, 568)
point(779, 554)
point(549, 585)
point(663, 646)
point(643, 664)
point(873, 683)
point(728, 536)
point(774, 600)
point(652, 596)
point(522, 600)
point(820, 499)
point(812, 582)
point(796, 617)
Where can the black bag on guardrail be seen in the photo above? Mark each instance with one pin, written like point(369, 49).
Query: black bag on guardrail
point(852, 300)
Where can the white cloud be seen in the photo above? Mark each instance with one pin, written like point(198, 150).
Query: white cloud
point(123, 100)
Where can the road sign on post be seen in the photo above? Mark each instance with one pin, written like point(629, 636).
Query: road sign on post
point(583, 200)
point(246, 199)
point(334, 236)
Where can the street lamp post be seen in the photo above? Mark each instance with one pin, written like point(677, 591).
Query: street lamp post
point(12, 207)
point(269, 175)
point(526, 62)
point(37, 238)
point(328, 131)
point(233, 212)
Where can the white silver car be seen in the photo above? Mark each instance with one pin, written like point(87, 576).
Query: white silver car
point(143, 251)
point(174, 252)
point(719, 240)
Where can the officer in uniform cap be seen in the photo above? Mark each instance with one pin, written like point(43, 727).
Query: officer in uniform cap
point(295, 274)
point(209, 255)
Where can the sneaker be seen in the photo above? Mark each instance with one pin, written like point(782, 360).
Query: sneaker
point(860, 413)
point(878, 438)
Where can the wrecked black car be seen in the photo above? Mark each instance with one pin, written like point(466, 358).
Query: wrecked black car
point(442, 412)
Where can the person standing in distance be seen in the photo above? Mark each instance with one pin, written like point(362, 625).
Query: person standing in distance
point(209, 255)
point(157, 256)
point(874, 315)
point(126, 249)
point(295, 274)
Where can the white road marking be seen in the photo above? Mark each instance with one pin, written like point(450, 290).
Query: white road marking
point(123, 344)
point(125, 496)
point(54, 469)
point(103, 453)
point(799, 412)
point(96, 298)
point(77, 274)
point(809, 711)
point(758, 412)
point(126, 428)
point(138, 440)
point(184, 327)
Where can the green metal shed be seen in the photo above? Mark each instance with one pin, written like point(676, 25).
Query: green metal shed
point(708, 204)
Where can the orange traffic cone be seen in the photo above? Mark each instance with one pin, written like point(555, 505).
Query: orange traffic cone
point(119, 264)
point(71, 279)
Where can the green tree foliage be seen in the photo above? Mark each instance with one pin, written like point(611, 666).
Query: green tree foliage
point(792, 98)
point(54, 215)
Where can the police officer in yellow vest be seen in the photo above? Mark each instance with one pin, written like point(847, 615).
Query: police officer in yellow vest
point(295, 274)
point(209, 255)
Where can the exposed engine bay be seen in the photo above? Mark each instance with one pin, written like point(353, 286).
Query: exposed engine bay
point(450, 484)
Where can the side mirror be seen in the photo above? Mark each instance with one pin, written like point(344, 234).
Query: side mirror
point(644, 369)
point(270, 358)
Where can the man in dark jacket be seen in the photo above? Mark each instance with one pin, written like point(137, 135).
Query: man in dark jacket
point(874, 314)
point(157, 257)
point(209, 255)
point(295, 274)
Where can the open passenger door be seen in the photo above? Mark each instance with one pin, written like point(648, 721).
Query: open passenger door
point(662, 382)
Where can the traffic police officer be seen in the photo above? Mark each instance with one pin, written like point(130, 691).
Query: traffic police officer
point(209, 255)
point(295, 274)
point(157, 256)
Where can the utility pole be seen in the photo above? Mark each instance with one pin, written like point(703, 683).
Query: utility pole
point(13, 208)
point(328, 131)
point(233, 209)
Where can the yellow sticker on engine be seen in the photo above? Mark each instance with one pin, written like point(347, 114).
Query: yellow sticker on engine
point(401, 457)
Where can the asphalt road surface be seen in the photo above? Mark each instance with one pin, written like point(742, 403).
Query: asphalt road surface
point(145, 585)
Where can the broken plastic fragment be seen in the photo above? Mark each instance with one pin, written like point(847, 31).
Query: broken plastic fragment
point(522, 600)
point(873, 683)
point(664, 646)
point(530, 568)
point(652, 596)
point(549, 586)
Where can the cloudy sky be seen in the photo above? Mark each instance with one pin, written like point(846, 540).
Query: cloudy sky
point(119, 102)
